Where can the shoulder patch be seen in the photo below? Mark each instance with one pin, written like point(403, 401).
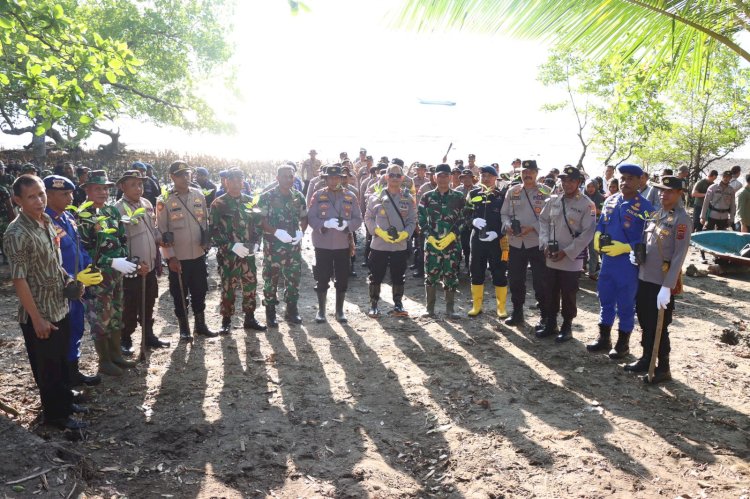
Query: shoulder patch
point(681, 231)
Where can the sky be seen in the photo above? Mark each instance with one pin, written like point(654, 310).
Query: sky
point(342, 77)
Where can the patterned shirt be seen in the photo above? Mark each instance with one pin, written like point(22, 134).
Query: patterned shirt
point(282, 211)
point(232, 222)
point(440, 214)
point(102, 246)
point(33, 250)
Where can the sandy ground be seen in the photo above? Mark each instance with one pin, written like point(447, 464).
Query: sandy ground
point(399, 408)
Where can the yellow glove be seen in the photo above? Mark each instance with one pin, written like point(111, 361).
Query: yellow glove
point(596, 241)
point(446, 241)
point(434, 242)
point(89, 278)
point(383, 235)
point(616, 248)
point(402, 236)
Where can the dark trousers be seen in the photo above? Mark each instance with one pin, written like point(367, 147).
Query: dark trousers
point(518, 260)
point(466, 245)
point(332, 263)
point(194, 286)
point(714, 224)
point(418, 250)
point(368, 240)
point(48, 359)
point(562, 286)
point(483, 254)
point(76, 327)
point(131, 309)
point(645, 309)
point(379, 262)
point(697, 219)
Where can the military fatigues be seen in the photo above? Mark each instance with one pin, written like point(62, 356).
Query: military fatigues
point(571, 222)
point(281, 212)
point(142, 239)
point(331, 245)
point(667, 242)
point(233, 222)
point(439, 215)
point(104, 302)
point(524, 205)
point(6, 211)
point(186, 217)
point(718, 207)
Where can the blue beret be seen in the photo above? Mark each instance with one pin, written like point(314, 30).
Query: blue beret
point(223, 174)
point(488, 169)
point(58, 183)
point(201, 171)
point(630, 169)
point(138, 166)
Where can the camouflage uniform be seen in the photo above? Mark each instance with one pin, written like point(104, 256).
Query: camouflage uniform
point(104, 302)
point(6, 209)
point(232, 222)
point(282, 212)
point(440, 214)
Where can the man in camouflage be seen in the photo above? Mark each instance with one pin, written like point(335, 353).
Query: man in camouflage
point(103, 236)
point(284, 213)
point(6, 209)
point(235, 231)
point(441, 219)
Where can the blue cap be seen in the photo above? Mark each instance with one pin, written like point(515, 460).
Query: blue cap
point(488, 169)
point(201, 171)
point(223, 174)
point(138, 165)
point(630, 169)
point(58, 183)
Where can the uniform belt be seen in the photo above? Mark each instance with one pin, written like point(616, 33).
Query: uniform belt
point(713, 208)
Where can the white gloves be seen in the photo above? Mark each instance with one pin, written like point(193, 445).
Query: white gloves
point(123, 266)
point(297, 237)
point(240, 250)
point(331, 223)
point(632, 258)
point(344, 225)
point(663, 298)
point(491, 235)
point(283, 236)
point(480, 223)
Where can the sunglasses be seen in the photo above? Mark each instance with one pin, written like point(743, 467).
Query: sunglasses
point(394, 175)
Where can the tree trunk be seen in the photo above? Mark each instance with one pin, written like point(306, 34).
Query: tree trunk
point(39, 148)
point(112, 149)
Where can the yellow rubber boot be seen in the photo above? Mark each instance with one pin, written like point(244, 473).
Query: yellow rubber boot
point(477, 295)
point(501, 294)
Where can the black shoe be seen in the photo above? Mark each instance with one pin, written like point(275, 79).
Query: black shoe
point(77, 378)
point(154, 342)
point(550, 328)
point(541, 325)
point(374, 311)
point(79, 409)
point(622, 347)
point(79, 397)
point(516, 318)
point(291, 314)
point(185, 335)
point(89, 380)
point(566, 332)
point(226, 325)
point(67, 424)
point(200, 328)
point(271, 320)
point(603, 341)
point(126, 345)
point(252, 323)
point(660, 376)
point(639, 366)
point(418, 274)
point(413, 266)
point(353, 273)
point(363, 264)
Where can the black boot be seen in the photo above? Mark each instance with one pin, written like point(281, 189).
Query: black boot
point(661, 373)
point(320, 317)
point(200, 327)
point(77, 378)
point(622, 347)
point(450, 303)
point(430, 297)
point(271, 320)
point(639, 366)
point(184, 329)
point(292, 314)
point(419, 273)
point(541, 325)
point(226, 325)
point(398, 305)
point(516, 318)
point(153, 341)
point(340, 296)
point(252, 323)
point(550, 328)
point(603, 342)
point(126, 345)
point(566, 332)
point(374, 298)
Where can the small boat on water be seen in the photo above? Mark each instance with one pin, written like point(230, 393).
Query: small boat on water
point(723, 244)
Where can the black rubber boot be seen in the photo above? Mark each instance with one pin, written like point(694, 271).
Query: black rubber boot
point(542, 324)
point(77, 378)
point(126, 345)
point(201, 328)
point(340, 297)
point(661, 373)
point(292, 314)
point(271, 320)
point(622, 347)
point(182, 322)
point(430, 296)
point(226, 325)
point(516, 318)
point(550, 328)
point(566, 332)
point(320, 317)
point(374, 298)
point(153, 341)
point(398, 305)
point(252, 323)
point(450, 303)
point(603, 342)
point(639, 366)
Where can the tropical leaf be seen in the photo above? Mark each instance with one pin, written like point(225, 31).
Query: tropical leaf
point(164, 194)
point(109, 231)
